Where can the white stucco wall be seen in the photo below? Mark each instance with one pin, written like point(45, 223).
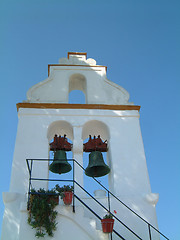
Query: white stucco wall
point(128, 178)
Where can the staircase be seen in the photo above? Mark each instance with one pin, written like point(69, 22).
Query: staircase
point(83, 214)
point(78, 220)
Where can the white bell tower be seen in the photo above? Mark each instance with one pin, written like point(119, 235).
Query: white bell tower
point(107, 113)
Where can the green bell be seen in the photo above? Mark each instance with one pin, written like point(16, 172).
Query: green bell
point(60, 163)
point(96, 166)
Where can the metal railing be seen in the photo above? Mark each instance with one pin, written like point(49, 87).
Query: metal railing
point(30, 167)
point(80, 200)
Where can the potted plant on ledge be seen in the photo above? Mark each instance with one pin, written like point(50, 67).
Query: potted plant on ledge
point(41, 213)
point(66, 193)
point(107, 223)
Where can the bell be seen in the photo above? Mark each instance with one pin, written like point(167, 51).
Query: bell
point(96, 166)
point(60, 163)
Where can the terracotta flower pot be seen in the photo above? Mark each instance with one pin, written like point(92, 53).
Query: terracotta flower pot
point(107, 225)
point(67, 198)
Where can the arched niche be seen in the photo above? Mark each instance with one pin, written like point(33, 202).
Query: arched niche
point(78, 82)
point(60, 128)
point(95, 128)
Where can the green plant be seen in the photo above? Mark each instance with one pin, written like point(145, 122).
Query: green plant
point(42, 215)
point(61, 190)
point(108, 216)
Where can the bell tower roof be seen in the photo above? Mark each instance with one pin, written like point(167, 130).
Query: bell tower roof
point(76, 72)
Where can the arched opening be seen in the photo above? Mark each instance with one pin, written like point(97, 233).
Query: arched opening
point(61, 129)
point(77, 89)
point(95, 128)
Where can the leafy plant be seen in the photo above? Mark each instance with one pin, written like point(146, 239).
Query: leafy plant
point(42, 215)
point(108, 216)
point(61, 190)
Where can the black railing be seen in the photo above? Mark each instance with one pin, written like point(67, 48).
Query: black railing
point(110, 193)
point(30, 167)
point(80, 200)
point(108, 210)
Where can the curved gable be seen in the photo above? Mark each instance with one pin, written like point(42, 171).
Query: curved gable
point(78, 73)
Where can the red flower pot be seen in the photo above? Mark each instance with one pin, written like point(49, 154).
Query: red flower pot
point(67, 198)
point(107, 225)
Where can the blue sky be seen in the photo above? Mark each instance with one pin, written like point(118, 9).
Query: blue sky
point(139, 42)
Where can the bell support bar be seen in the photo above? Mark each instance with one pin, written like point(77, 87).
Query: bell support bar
point(95, 144)
point(60, 143)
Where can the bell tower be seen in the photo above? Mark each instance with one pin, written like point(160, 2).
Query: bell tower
point(106, 128)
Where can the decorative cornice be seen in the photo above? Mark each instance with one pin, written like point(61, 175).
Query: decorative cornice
point(71, 65)
point(76, 106)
